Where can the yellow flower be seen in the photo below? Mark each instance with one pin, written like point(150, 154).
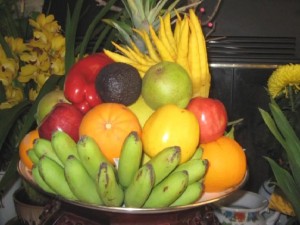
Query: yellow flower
point(58, 44)
point(46, 23)
point(283, 77)
point(27, 73)
point(40, 57)
point(13, 96)
point(16, 45)
point(33, 94)
point(40, 40)
point(8, 68)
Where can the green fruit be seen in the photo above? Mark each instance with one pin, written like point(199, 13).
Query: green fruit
point(119, 83)
point(167, 83)
point(47, 103)
point(141, 110)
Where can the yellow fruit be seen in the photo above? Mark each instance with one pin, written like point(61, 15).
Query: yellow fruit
point(168, 126)
point(141, 110)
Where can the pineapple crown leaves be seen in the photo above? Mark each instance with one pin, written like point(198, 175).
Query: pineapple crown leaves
point(142, 14)
point(284, 133)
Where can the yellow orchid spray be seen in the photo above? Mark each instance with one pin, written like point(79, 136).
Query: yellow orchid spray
point(33, 61)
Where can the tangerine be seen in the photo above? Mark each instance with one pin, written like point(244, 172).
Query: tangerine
point(227, 164)
point(25, 145)
point(109, 124)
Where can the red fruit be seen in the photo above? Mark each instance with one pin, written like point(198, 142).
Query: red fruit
point(65, 117)
point(79, 87)
point(212, 117)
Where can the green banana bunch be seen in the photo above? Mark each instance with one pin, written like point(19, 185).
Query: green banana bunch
point(191, 194)
point(80, 182)
point(53, 174)
point(79, 171)
point(33, 156)
point(140, 188)
point(167, 191)
point(63, 145)
point(43, 147)
point(198, 153)
point(109, 189)
point(90, 155)
point(40, 181)
point(165, 162)
point(196, 169)
point(130, 158)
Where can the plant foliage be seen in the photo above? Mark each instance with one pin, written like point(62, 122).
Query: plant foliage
point(288, 181)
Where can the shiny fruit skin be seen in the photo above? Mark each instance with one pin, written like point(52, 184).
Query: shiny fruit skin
point(212, 117)
point(25, 145)
point(168, 126)
point(79, 86)
point(227, 164)
point(65, 117)
point(47, 103)
point(109, 124)
point(167, 83)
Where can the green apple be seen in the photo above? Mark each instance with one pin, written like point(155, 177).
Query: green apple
point(167, 83)
point(47, 103)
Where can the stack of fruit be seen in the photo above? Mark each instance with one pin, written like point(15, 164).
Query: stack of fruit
point(136, 129)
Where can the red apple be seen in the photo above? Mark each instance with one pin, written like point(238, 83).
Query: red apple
point(212, 117)
point(63, 116)
point(47, 103)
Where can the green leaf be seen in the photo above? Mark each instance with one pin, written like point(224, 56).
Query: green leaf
point(92, 26)
point(104, 33)
point(291, 141)
point(6, 47)
point(71, 29)
point(8, 118)
point(122, 29)
point(287, 184)
point(272, 126)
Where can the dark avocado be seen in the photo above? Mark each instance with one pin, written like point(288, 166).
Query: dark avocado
point(119, 83)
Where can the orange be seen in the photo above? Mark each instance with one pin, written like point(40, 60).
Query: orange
point(227, 164)
point(109, 124)
point(168, 126)
point(25, 145)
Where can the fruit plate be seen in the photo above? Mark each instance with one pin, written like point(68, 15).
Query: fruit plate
point(205, 199)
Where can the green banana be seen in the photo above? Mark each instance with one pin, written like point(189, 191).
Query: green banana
point(53, 174)
point(33, 156)
point(39, 180)
point(165, 162)
point(198, 153)
point(130, 158)
point(42, 147)
point(109, 189)
point(145, 158)
point(191, 194)
point(80, 182)
point(167, 191)
point(196, 169)
point(140, 188)
point(90, 155)
point(63, 145)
